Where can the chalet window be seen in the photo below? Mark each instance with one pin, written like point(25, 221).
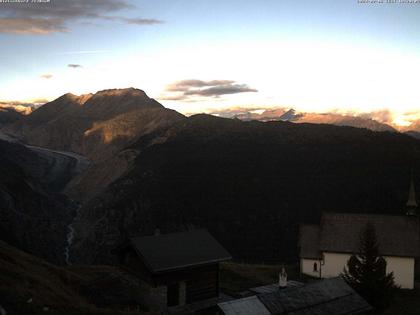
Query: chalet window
point(315, 267)
point(173, 294)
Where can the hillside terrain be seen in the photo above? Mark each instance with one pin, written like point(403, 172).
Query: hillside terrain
point(33, 213)
point(8, 115)
point(30, 286)
point(249, 183)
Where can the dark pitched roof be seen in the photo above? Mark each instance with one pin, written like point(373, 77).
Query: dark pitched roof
point(330, 296)
point(309, 241)
point(270, 288)
point(245, 306)
point(397, 235)
point(167, 252)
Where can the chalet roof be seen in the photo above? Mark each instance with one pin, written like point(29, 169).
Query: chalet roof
point(309, 241)
point(245, 306)
point(270, 288)
point(397, 235)
point(330, 296)
point(167, 252)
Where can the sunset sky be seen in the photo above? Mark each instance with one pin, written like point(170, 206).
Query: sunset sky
point(196, 55)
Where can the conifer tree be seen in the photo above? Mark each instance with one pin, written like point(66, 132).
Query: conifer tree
point(366, 272)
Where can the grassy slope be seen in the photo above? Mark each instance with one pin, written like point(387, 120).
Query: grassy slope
point(62, 290)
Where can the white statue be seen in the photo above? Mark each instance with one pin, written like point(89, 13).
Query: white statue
point(282, 278)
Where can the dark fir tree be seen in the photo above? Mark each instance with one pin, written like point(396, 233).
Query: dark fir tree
point(366, 272)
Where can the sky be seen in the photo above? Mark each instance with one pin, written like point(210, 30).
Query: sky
point(346, 56)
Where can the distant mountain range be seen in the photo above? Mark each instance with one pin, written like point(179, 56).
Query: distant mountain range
point(249, 180)
point(284, 114)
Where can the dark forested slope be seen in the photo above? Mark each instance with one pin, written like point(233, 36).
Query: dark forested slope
point(249, 183)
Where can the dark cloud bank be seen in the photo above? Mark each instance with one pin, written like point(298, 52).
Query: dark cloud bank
point(184, 90)
point(55, 16)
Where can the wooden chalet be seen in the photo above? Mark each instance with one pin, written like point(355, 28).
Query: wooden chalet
point(174, 269)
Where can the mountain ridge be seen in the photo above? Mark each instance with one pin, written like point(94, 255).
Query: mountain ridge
point(98, 126)
point(284, 114)
point(63, 123)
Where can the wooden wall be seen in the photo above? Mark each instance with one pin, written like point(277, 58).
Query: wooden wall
point(202, 282)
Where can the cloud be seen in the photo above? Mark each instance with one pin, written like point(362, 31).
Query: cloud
point(384, 116)
point(135, 21)
point(31, 26)
point(140, 21)
point(187, 84)
point(55, 16)
point(172, 98)
point(413, 113)
point(82, 52)
point(74, 66)
point(20, 107)
point(39, 101)
point(15, 103)
point(221, 90)
point(185, 89)
point(46, 76)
